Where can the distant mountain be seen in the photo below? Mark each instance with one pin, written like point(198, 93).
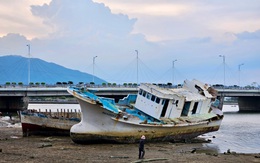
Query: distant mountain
point(14, 68)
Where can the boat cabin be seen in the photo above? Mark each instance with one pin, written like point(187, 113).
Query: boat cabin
point(193, 98)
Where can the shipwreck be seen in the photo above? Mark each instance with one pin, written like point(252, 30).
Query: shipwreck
point(158, 112)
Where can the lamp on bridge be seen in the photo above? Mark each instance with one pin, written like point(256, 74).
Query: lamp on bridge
point(136, 66)
point(29, 51)
point(239, 72)
point(224, 68)
point(93, 75)
point(173, 71)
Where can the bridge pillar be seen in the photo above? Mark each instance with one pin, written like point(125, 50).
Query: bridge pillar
point(13, 104)
point(249, 104)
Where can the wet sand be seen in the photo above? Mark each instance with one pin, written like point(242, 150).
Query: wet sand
point(15, 148)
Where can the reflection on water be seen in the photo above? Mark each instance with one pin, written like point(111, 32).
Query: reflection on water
point(239, 132)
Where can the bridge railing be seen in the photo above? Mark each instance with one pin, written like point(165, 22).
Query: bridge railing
point(125, 85)
point(237, 88)
point(67, 85)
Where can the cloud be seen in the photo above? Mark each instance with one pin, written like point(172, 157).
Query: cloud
point(185, 19)
point(16, 17)
point(85, 29)
point(249, 35)
point(195, 33)
point(13, 43)
point(83, 18)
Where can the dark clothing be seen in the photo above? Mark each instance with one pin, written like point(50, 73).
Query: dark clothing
point(141, 149)
point(141, 153)
point(141, 144)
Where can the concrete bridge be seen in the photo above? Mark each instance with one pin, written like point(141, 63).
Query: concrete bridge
point(14, 98)
point(248, 99)
point(17, 98)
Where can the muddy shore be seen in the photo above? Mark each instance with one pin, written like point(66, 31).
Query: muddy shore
point(15, 148)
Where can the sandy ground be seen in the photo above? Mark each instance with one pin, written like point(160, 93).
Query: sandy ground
point(16, 148)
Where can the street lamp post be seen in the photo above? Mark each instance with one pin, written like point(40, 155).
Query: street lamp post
point(29, 63)
point(173, 71)
point(239, 69)
point(93, 74)
point(136, 66)
point(224, 68)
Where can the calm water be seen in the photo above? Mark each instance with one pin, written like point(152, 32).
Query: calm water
point(239, 132)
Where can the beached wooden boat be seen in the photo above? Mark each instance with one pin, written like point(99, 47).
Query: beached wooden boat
point(48, 123)
point(160, 113)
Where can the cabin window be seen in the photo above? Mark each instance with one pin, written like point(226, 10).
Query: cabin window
point(195, 106)
point(157, 100)
point(144, 93)
point(148, 96)
point(140, 92)
point(153, 98)
point(185, 109)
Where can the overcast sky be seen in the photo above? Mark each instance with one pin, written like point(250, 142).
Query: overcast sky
point(158, 32)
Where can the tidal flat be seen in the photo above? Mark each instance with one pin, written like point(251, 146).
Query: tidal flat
point(16, 148)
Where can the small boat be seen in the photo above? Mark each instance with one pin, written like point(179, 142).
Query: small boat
point(48, 123)
point(160, 113)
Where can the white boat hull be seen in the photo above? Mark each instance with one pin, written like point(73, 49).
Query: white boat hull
point(98, 125)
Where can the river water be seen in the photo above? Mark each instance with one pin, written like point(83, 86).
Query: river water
point(239, 132)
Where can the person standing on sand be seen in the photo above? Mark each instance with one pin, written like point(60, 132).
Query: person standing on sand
point(141, 147)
